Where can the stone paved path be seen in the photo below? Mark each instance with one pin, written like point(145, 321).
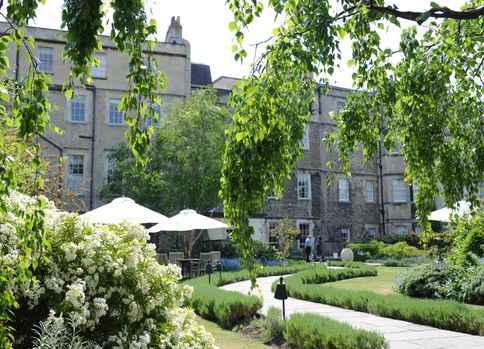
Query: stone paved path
point(399, 334)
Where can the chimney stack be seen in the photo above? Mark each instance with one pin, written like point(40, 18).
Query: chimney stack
point(174, 33)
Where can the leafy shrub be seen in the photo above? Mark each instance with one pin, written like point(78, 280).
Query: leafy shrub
point(401, 250)
point(367, 250)
point(469, 238)
point(463, 284)
point(226, 308)
point(437, 313)
point(273, 326)
point(264, 251)
point(377, 249)
point(412, 239)
point(105, 279)
point(309, 331)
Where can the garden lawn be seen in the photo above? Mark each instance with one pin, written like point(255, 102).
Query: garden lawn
point(228, 339)
point(383, 283)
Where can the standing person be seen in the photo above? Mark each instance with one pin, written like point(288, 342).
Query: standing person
point(319, 248)
point(308, 247)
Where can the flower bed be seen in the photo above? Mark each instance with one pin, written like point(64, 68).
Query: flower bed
point(437, 313)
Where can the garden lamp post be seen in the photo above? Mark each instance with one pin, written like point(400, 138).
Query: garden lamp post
point(219, 269)
point(281, 293)
point(209, 270)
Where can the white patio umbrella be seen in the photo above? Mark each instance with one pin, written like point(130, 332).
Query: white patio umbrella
point(445, 214)
point(187, 220)
point(123, 209)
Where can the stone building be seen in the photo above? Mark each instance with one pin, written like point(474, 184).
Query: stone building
point(92, 127)
point(91, 124)
point(340, 209)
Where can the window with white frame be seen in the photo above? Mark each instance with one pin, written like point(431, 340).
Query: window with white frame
point(400, 191)
point(78, 109)
point(116, 117)
point(75, 173)
point(343, 190)
point(371, 231)
point(46, 59)
point(110, 166)
point(305, 140)
point(305, 230)
point(370, 191)
point(344, 234)
point(100, 70)
point(304, 186)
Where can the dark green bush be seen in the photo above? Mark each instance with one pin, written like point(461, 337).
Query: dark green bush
point(309, 331)
point(443, 314)
point(463, 284)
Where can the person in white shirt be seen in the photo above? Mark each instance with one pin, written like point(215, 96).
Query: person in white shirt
point(308, 246)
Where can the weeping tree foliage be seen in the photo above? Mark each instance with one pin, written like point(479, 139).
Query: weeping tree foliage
point(25, 107)
point(427, 93)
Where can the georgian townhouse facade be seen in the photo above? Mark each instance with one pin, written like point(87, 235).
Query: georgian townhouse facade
point(345, 209)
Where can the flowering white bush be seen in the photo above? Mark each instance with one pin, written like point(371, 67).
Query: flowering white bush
point(104, 278)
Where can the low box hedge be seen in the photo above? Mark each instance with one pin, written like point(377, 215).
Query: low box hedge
point(310, 331)
point(226, 308)
point(443, 314)
point(230, 308)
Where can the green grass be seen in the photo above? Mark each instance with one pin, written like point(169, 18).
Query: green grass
point(383, 283)
point(230, 340)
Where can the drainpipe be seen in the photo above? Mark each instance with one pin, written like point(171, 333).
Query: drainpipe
point(92, 88)
point(380, 165)
point(17, 64)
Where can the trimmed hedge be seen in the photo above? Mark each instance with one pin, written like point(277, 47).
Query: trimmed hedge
point(346, 264)
point(230, 308)
point(262, 271)
point(447, 315)
point(309, 331)
point(226, 308)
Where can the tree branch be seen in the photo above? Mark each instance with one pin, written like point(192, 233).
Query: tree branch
point(436, 12)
